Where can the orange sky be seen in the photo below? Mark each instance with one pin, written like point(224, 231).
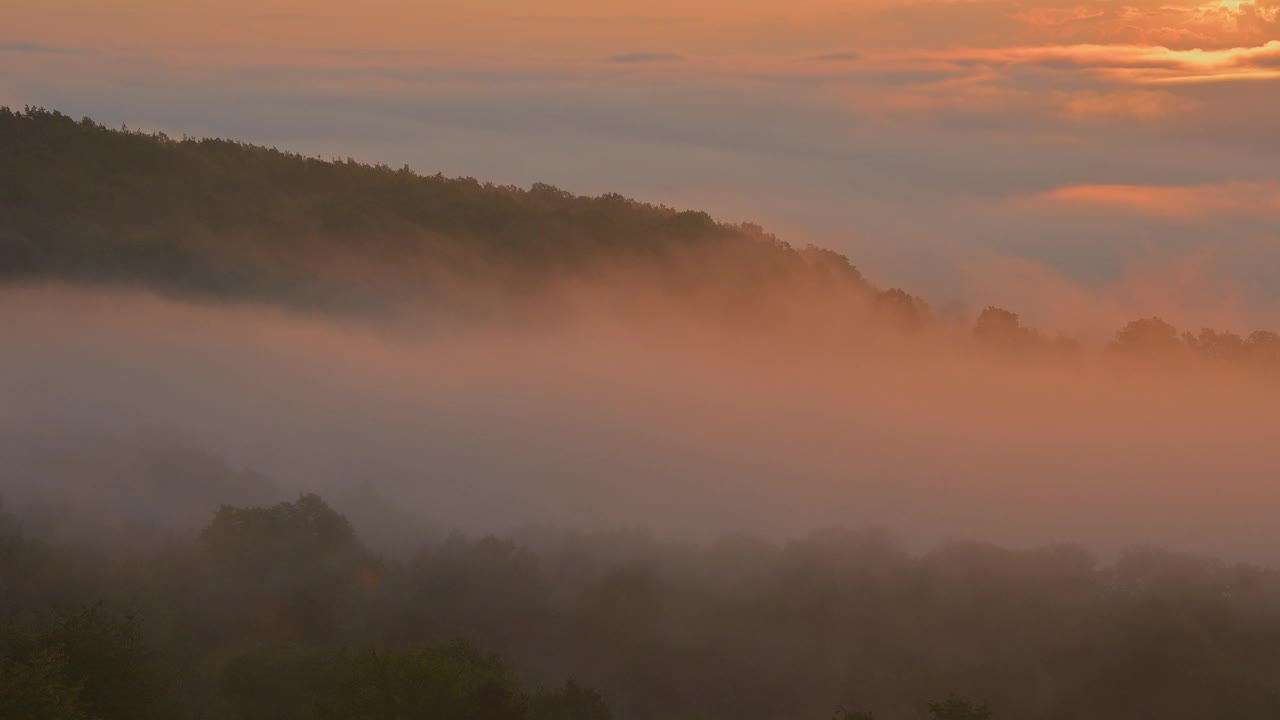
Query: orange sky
point(563, 28)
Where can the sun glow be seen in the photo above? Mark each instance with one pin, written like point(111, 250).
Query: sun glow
point(1242, 8)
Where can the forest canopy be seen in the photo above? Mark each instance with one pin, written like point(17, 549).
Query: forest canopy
point(80, 201)
point(281, 612)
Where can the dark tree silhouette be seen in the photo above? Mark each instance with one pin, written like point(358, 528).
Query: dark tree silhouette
point(1148, 335)
point(958, 708)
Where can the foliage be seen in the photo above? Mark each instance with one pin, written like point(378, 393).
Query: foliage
point(85, 663)
point(958, 708)
point(36, 687)
point(260, 541)
point(452, 682)
point(1149, 335)
point(268, 615)
point(79, 201)
point(569, 702)
point(274, 682)
point(846, 714)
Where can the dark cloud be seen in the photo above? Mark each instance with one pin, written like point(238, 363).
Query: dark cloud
point(911, 76)
point(839, 57)
point(42, 49)
point(361, 52)
point(643, 57)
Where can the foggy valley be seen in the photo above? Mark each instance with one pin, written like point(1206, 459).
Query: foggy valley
point(289, 438)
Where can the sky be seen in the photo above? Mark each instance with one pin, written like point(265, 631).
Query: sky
point(1080, 162)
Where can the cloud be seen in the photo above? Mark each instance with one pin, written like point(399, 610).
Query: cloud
point(1179, 23)
point(643, 57)
point(1092, 105)
point(1060, 87)
point(1173, 201)
point(42, 49)
point(839, 57)
point(1133, 64)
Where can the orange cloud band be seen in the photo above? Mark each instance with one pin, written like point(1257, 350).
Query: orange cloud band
point(1173, 201)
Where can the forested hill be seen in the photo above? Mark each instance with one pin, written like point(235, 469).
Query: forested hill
point(82, 202)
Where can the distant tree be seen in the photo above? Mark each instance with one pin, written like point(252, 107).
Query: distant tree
point(996, 321)
point(84, 662)
point(1264, 346)
point(901, 310)
point(958, 708)
point(38, 687)
point(11, 538)
point(297, 568)
point(1148, 336)
point(120, 677)
point(1001, 328)
point(452, 682)
point(831, 265)
point(1265, 339)
point(1219, 346)
point(569, 702)
point(299, 534)
point(274, 683)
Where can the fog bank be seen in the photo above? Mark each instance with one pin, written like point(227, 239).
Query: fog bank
point(674, 426)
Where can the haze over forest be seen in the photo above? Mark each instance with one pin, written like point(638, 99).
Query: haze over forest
point(273, 427)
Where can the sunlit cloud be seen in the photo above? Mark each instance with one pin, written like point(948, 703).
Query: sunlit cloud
point(637, 58)
point(1093, 105)
point(1172, 201)
point(1173, 23)
point(1053, 85)
point(1127, 63)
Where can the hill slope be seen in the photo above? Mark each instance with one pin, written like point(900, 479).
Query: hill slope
point(82, 202)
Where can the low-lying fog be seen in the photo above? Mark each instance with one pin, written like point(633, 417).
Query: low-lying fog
point(589, 425)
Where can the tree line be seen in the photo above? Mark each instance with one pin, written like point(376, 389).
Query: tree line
point(281, 611)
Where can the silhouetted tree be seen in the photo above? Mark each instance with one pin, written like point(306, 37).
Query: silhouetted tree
point(958, 708)
point(275, 682)
point(1002, 329)
point(1149, 336)
point(82, 202)
point(453, 682)
point(569, 702)
point(1226, 347)
point(37, 687)
point(86, 663)
point(1264, 346)
point(901, 310)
